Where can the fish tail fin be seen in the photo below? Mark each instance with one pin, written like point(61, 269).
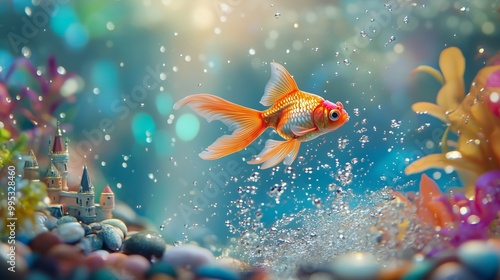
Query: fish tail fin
point(247, 124)
point(276, 151)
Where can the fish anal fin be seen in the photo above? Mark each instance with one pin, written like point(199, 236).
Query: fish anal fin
point(300, 131)
point(280, 83)
point(276, 151)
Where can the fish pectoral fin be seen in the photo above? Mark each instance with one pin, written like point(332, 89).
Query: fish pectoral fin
point(299, 130)
point(276, 151)
point(280, 83)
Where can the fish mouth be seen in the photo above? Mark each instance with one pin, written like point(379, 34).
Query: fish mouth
point(346, 116)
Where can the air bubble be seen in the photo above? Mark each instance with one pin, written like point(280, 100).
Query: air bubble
point(26, 52)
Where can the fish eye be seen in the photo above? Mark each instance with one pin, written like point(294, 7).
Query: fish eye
point(334, 115)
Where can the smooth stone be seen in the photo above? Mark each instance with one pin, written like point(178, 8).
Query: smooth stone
point(146, 243)
point(161, 268)
point(136, 266)
point(96, 241)
point(31, 228)
point(44, 241)
point(395, 269)
point(161, 277)
point(420, 270)
point(95, 261)
point(188, 256)
point(358, 265)
point(70, 232)
point(95, 227)
point(116, 223)
point(67, 257)
point(216, 272)
point(87, 229)
point(79, 273)
point(480, 258)
point(104, 274)
point(47, 265)
point(66, 219)
point(51, 222)
point(116, 260)
point(84, 245)
point(112, 237)
point(103, 253)
point(453, 270)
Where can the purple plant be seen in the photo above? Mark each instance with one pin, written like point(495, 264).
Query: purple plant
point(472, 218)
point(38, 102)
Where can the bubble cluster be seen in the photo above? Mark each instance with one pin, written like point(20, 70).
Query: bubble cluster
point(379, 224)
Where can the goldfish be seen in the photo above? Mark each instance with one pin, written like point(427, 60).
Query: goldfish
point(297, 116)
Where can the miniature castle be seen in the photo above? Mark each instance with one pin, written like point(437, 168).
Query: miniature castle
point(79, 204)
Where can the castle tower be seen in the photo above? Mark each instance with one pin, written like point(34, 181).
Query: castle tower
point(53, 180)
point(31, 171)
point(85, 209)
point(59, 156)
point(107, 204)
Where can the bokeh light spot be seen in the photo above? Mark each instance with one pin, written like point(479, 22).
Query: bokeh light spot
point(488, 28)
point(76, 36)
point(187, 127)
point(62, 19)
point(164, 103)
point(143, 128)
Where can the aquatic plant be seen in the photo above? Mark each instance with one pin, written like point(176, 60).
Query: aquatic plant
point(454, 216)
point(474, 117)
point(9, 148)
point(29, 196)
point(36, 102)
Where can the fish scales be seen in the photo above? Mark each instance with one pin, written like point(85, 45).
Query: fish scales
point(293, 109)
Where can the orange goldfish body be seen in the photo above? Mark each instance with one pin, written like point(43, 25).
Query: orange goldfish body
point(297, 116)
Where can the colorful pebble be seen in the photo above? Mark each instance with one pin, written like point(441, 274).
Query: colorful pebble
point(146, 243)
point(359, 265)
point(188, 256)
point(112, 237)
point(116, 223)
point(70, 232)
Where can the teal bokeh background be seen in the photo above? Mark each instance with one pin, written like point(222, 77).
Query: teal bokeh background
point(136, 58)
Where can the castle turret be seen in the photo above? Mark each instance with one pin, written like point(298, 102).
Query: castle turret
point(59, 156)
point(53, 180)
point(31, 171)
point(85, 209)
point(107, 204)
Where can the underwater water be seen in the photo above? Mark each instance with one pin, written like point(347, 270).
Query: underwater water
point(132, 60)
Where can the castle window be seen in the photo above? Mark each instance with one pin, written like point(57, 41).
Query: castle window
point(79, 213)
point(77, 200)
point(52, 181)
point(65, 167)
point(87, 202)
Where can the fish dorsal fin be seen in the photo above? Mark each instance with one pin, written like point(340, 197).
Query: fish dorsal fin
point(281, 83)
